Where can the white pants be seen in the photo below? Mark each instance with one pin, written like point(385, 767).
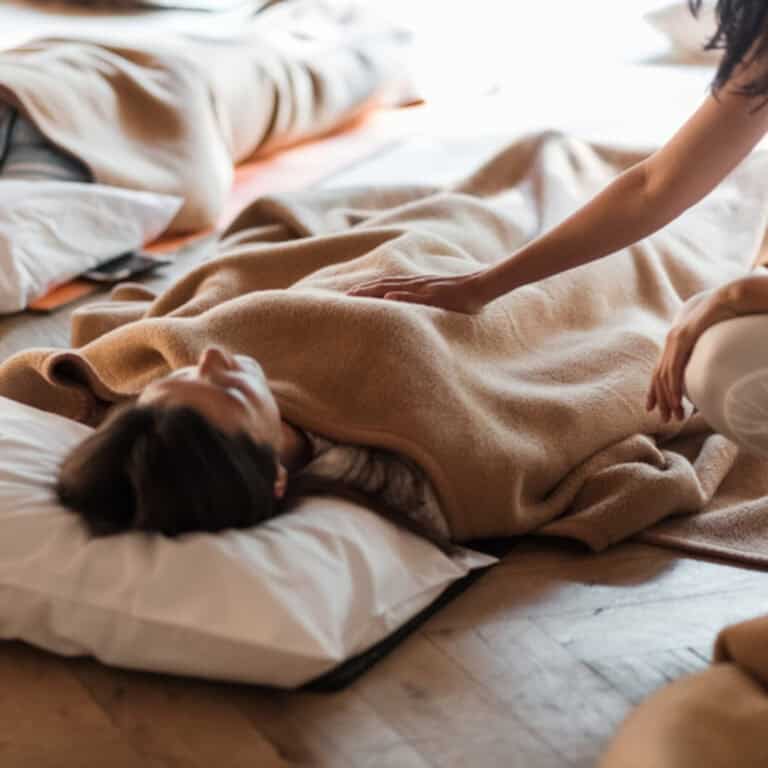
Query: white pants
point(727, 380)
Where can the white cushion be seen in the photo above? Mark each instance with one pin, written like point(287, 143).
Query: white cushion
point(279, 604)
point(92, 223)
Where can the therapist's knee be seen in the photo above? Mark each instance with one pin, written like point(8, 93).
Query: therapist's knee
point(727, 380)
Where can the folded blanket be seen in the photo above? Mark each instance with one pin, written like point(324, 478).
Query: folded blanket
point(173, 115)
point(716, 718)
point(529, 410)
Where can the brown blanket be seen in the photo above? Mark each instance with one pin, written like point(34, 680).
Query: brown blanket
point(173, 115)
point(716, 718)
point(530, 410)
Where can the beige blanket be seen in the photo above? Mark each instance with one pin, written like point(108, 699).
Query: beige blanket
point(521, 414)
point(715, 719)
point(172, 115)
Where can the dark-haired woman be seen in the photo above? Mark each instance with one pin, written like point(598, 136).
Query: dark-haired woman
point(726, 378)
point(214, 434)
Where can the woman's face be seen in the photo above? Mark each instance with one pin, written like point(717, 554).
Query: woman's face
point(230, 391)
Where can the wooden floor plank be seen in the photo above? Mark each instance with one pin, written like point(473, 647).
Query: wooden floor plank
point(568, 705)
point(446, 715)
point(176, 719)
point(639, 675)
point(39, 694)
point(47, 718)
point(76, 750)
point(666, 624)
point(354, 729)
point(300, 741)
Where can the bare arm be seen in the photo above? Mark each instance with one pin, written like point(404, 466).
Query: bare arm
point(643, 199)
point(639, 202)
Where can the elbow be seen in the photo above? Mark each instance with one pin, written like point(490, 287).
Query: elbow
point(746, 295)
point(653, 183)
point(663, 196)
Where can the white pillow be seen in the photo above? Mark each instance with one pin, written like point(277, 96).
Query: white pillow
point(279, 604)
point(51, 231)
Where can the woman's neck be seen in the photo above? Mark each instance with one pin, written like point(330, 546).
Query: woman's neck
point(296, 449)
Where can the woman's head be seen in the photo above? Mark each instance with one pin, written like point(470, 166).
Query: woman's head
point(198, 451)
point(229, 391)
point(742, 34)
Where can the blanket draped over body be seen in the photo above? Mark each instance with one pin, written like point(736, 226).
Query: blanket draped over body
point(172, 114)
point(527, 416)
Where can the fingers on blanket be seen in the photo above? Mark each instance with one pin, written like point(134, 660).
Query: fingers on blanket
point(675, 385)
point(412, 298)
point(651, 399)
point(379, 288)
point(665, 392)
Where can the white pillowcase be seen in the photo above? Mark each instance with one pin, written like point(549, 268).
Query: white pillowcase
point(279, 604)
point(51, 231)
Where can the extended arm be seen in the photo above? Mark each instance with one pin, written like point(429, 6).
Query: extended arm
point(639, 202)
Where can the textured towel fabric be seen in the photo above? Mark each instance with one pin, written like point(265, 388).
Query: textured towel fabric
point(528, 413)
point(716, 718)
point(173, 115)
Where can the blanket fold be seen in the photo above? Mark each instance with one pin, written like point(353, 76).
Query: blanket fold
point(521, 414)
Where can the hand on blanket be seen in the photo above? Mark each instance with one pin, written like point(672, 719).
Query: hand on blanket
point(698, 314)
point(458, 294)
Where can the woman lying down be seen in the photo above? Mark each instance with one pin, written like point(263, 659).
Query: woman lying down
point(257, 378)
point(205, 449)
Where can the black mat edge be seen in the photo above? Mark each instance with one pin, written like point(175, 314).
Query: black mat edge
point(348, 671)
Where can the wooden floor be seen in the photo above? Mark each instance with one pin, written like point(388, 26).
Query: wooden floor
point(533, 666)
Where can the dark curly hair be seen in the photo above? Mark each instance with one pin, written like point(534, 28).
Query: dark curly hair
point(742, 35)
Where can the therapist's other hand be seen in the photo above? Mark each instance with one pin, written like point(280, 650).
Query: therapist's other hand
point(667, 383)
point(461, 293)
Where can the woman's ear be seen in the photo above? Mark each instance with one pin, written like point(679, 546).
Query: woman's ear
point(281, 481)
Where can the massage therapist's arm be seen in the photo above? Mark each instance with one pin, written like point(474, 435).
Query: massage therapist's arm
point(642, 200)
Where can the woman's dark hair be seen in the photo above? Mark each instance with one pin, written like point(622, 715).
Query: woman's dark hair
point(742, 35)
point(169, 470)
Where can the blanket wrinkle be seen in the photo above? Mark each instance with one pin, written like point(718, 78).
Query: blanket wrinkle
point(528, 416)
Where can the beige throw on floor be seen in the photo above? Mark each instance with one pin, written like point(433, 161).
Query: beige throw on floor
point(173, 114)
point(716, 718)
point(528, 414)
